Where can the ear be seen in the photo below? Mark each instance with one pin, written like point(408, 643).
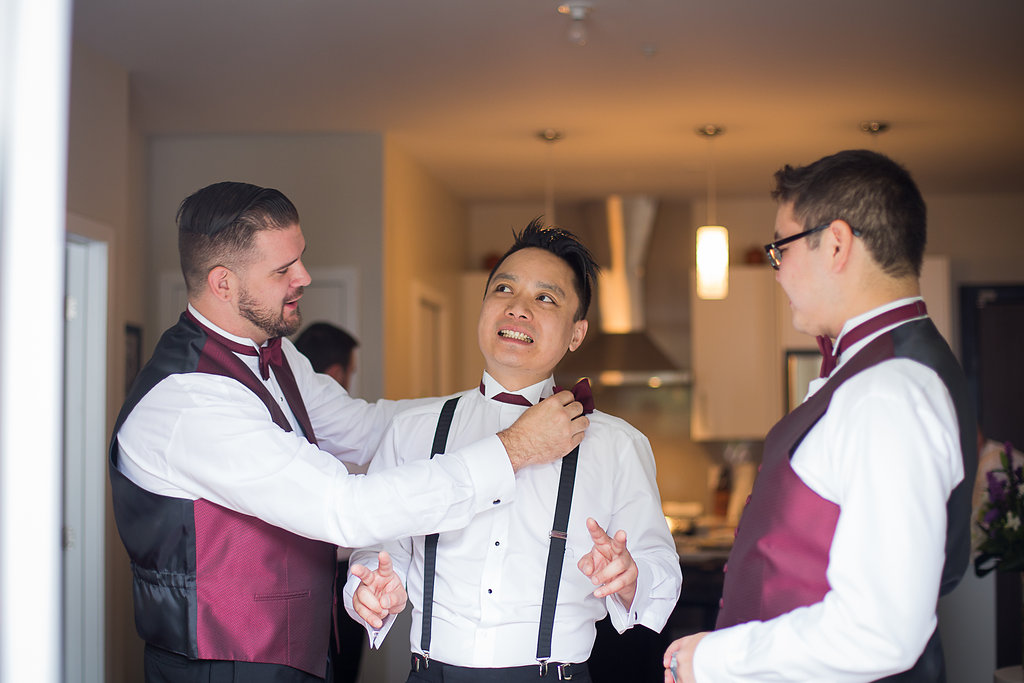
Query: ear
point(221, 283)
point(839, 238)
point(579, 331)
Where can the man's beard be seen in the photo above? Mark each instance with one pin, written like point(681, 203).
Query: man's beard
point(270, 321)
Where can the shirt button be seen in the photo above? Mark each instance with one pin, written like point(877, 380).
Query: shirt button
point(497, 543)
point(489, 591)
point(497, 500)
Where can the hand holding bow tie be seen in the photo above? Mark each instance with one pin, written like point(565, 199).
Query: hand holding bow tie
point(548, 430)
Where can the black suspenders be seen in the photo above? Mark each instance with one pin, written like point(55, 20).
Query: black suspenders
point(556, 552)
point(444, 423)
point(556, 548)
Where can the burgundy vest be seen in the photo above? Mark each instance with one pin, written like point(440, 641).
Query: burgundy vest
point(780, 557)
point(210, 583)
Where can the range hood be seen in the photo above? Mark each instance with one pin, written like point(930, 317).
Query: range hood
point(621, 352)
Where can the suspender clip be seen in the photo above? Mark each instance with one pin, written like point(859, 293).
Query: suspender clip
point(564, 672)
point(543, 668)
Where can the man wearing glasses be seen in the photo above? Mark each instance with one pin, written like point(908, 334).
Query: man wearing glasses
point(860, 516)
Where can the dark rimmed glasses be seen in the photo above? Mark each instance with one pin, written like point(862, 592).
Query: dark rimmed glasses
point(774, 250)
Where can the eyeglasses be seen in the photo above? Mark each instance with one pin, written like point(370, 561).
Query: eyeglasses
point(775, 252)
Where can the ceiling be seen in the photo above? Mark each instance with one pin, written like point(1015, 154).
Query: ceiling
point(464, 86)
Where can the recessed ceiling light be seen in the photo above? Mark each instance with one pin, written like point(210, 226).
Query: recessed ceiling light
point(874, 127)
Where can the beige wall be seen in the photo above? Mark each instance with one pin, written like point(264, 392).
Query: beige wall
point(425, 237)
point(104, 159)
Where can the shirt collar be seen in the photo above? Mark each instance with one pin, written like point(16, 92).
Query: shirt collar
point(533, 393)
point(857, 320)
point(245, 341)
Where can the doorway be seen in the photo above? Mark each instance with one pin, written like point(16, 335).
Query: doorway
point(85, 462)
point(992, 319)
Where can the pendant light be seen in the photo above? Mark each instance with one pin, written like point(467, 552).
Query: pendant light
point(550, 136)
point(712, 239)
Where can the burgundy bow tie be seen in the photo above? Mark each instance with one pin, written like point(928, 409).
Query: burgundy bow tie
point(270, 355)
point(830, 356)
point(581, 392)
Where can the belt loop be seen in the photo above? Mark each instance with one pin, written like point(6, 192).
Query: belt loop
point(543, 668)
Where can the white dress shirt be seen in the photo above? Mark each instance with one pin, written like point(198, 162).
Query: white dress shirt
point(197, 435)
point(490, 575)
point(887, 452)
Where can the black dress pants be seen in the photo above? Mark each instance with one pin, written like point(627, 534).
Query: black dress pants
point(162, 666)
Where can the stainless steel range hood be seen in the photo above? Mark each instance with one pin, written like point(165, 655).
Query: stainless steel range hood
point(621, 352)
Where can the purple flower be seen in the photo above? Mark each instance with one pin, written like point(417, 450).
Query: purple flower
point(996, 487)
point(991, 516)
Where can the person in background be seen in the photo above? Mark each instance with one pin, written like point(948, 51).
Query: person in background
point(860, 516)
point(227, 469)
point(491, 602)
point(331, 351)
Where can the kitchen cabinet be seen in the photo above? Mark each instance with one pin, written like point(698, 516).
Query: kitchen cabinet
point(740, 343)
point(735, 358)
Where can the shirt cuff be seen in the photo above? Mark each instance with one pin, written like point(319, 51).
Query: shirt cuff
point(718, 651)
point(494, 480)
point(623, 618)
point(375, 635)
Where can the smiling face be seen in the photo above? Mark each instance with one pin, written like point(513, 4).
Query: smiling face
point(527, 319)
point(271, 284)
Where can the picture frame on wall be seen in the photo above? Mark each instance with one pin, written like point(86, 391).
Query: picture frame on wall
point(132, 354)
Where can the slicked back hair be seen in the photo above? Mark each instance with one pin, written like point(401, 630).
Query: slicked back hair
point(872, 193)
point(217, 226)
point(565, 246)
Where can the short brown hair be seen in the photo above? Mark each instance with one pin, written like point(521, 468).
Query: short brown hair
point(872, 193)
point(217, 226)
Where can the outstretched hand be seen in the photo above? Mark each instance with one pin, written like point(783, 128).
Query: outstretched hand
point(609, 566)
point(546, 431)
point(380, 592)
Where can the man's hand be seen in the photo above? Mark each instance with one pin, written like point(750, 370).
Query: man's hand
point(683, 649)
point(380, 593)
point(545, 432)
point(609, 566)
